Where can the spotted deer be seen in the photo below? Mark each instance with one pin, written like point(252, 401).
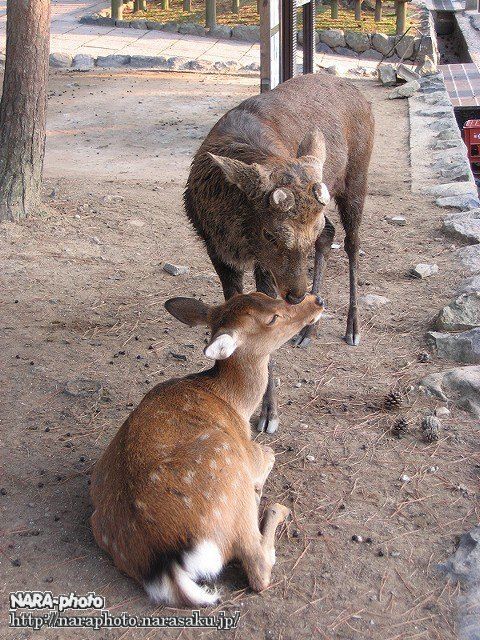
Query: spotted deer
point(260, 183)
point(176, 493)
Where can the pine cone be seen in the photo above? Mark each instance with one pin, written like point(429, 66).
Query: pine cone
point(431, 428)
point(392, 400)
point(400, 428)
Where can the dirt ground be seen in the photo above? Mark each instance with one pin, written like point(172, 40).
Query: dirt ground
point(83, 291)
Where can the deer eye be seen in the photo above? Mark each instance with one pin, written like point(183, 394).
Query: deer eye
point(274, 319)
point(268, 236)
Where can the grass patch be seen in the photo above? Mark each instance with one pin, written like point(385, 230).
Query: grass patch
point(248, 16)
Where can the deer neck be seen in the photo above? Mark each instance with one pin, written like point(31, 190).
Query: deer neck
point(241, 381)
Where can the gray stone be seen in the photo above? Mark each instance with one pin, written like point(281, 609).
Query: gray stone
point(383, 44)
point(82, 62)
point(253, 67)
point(438, 98)
point(461, 314)
point(469, 285)
point(197, 65)
point(406, 73)
point(114, 60)
point(333, 70)
point(60, 60)
point(175, 62)
point(153, 25)
point(225, 66)
point(357, 40)
point(453, 189)
point(124, 24)
point(399, 221)
point(427, 68)
point(149, 62)
point(461, 386)
point(423, 270)
point(387, 74)
point(324, 48)
point(371, 54)
point(220, 31)
point(246, 33)
point(372, 300)
point(464, 203)
point(192, 29)
point(405, 90)
point(464, 226)
point(435, 111)
point(138, 24)
point(460, 173)
point(174, 269)
point(405, 47)
point(438, 145)
point(459, 347)
point(171, 27)
point(344, 51)
point(470, 258)
point(332, 37)
point(451, 133)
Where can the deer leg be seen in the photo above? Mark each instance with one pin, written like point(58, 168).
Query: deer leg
point(258, 553)
point(351, 208)
point(262, 460)
point(231, 278)
point(323, 246)
point(268, 420)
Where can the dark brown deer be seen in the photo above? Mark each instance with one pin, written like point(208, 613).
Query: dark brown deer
point(176, 493)
point(259, 185)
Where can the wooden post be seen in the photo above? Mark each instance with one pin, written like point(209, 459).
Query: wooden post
point(401, 11)
point(165, 5)
point(211, 13)
point(378, 10)
point(358, 10)
point(236, 6)
point(269, 44)
point(117, 9)
point(334, 10)
point(140, 5)
point(187, 5)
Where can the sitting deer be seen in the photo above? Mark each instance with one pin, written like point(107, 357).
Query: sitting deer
point(259, 185)
point(176, 493)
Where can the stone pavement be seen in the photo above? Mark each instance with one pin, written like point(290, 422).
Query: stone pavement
point(70, 37)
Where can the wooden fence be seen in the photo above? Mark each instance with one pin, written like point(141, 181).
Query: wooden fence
point(211, 10)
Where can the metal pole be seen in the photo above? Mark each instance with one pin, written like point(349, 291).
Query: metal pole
point(289, 39)
point(308, 36)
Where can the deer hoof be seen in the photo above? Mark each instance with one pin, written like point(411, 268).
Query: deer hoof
point(352, 340)
point(267, 424)
point(302, 340)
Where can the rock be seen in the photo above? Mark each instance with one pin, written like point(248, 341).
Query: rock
point(310, 458)
point(459, 173)
point(435, 111)
point(372, 300)
point(82, 62)
point(253, 67)
point(470, 258)
point(153, 25)
point(197, 65)
point(387, 74)
point(60, 60)
point(447, 144)
point(464, 226)
point(460, 347)
point(405, 478)
point(113, 197)
point(460, 386)
point(405, 90)
point(175, 270)
point(225, 66)
point(452, 189)
point(138, 24)
point(125, 24)
point(220, 31)
point(427, 68)
point(332, 37)
point(448, 134)
point(171, 27)
point(113, 61)
point(406, 73)
point(345, 51)
point(461, 314)
point(383, 43)
point(464, 203)
point(469, 285)
point(405, 47)
point(357, 40)
point(82, 388)
point(324, 48)
point(440, 412)
point(192, 29)
point(357, 538)
point(399, 221)
point(423, 270)
point(148, 62)
point(246, 33)
point(371, 54)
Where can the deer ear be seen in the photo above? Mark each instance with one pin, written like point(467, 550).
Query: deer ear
point(249, 178)
point(188, 310)
point(222, 346)
point(312, 148)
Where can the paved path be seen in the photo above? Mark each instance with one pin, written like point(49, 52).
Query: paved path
point(70, 37)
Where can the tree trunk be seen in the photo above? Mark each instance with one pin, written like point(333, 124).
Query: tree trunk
point(23, 107)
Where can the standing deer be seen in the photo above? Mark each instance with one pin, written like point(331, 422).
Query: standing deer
point(176, 493)
point(259, 185)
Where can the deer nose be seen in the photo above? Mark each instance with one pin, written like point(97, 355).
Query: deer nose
point(291, 298)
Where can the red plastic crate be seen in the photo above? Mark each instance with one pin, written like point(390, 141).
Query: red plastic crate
point(471, 137)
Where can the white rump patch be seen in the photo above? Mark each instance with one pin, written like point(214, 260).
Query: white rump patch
point(204, 561)
point(222, 347)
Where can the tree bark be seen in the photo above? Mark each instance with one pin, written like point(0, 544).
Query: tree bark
point(23, 107)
